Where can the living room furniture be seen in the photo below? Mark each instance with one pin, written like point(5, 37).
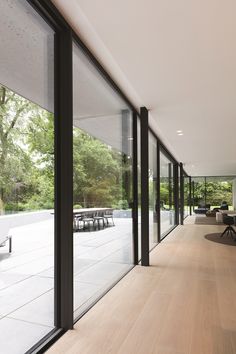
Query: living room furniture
point(229, 221)
point(219, 217)
point(202, 209)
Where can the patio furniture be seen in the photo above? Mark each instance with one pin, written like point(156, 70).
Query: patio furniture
point(77, 218)
point(87, 220)
point(4, 237)
point(90, 216)
point(98, 216)
point(109, 216)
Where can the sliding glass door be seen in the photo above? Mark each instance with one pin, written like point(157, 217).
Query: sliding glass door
point(26, 177)
point(167, 210)
point(153, 222)
point(103, 195)
point(186, 196)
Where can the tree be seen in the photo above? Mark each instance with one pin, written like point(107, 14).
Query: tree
point(14, 162)
point(26, 153)
point(97, 171)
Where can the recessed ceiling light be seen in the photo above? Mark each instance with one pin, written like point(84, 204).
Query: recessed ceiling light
point(179, 131)
point(180, 134)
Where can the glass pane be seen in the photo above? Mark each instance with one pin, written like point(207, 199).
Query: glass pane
point(152, 191)
point(26, 177)
point(103, 240)
point(166, 194)
point(219, 192)
point(198, 193)
point(139, 186)
point(186, 197)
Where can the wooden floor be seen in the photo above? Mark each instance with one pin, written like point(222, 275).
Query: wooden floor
point(185, 303)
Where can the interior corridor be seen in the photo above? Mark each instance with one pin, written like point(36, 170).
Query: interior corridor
point(184, 303)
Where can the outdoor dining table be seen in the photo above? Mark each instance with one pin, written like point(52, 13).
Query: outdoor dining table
point(91, 211)
point(92, 215)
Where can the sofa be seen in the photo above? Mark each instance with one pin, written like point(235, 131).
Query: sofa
point(202, 209)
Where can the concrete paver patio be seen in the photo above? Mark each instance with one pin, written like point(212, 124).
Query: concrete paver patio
point(27, 277)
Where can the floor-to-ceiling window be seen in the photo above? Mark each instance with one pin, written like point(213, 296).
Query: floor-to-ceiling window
point(186, 196)
point(198, 192)
point(102, 179)
point(219, 192)
point(213, 192)
point(152, 162)
point(102, 164)
point(139, 185)
point(26, 177)
point(167, 212)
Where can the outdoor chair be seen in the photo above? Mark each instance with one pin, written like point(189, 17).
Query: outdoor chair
point(97, 218)
point(76, 221)
point(107, 217)
point(88, 219)
point(4, 236)
point(228, 220)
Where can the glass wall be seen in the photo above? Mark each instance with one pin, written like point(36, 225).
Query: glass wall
point(103, 157)
point(139, 185)
point(219, 191)
point(213, 192)
point(186, 197)
point(152, 163)
point(102, 180)
point(198, 192)
point(26, 177)
point(167, 211)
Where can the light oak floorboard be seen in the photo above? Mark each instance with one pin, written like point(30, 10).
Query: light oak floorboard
point(184, 303)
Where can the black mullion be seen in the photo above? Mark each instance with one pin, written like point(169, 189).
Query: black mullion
point(144, 188)
point(49, 13)
point(158, 201)
point(63, 232)
point(64, 183)
point(135, 189)
point(181, 194)
point(176, 192)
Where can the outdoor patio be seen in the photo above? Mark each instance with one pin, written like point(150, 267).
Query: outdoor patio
point(27, 277)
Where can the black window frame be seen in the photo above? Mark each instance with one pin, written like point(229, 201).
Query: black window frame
point(63, 85)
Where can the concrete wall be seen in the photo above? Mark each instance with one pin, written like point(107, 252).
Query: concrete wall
point(15, 220)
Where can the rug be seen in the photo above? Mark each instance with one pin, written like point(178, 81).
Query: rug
point(225, 240)
point(206, 220)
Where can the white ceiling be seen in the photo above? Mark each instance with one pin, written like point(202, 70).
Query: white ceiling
point(178, 58)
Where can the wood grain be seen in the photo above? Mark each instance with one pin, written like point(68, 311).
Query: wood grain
point(184, 303)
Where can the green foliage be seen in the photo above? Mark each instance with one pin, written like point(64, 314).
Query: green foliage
point(216, 192)
point(123, 204)
point(97, 172)
point(77, 206)
point(164, 193)
point(26, 154)
point(101, 174)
